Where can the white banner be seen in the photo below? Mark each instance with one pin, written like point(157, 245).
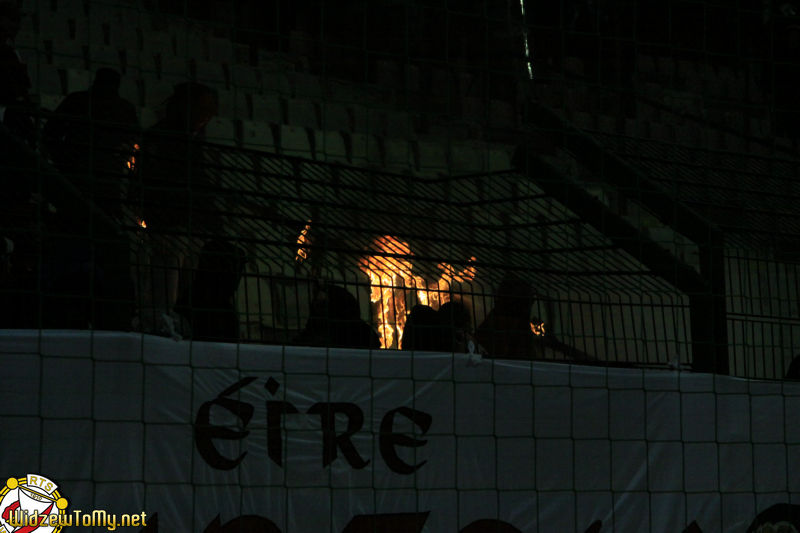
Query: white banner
point(217, 437)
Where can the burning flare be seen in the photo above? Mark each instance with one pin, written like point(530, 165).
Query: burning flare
point(391, 276)
point(302, 240)
point(132, 158)
point(538, 329)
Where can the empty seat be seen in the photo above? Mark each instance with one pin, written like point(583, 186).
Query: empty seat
point(78, 80)
point(335, 116)
point(52, 26)
point(82, 30)
point(189, 43)
point(662, 132)
point(140, 61)
point(267, 108)
point(365, 150)
point(257, 135)
point(105, 14)
point(635, 128)
point(574, 65)
point(666, 66)
point(607, 124)
point(129, 89)
point(329, 146)
point(500, 158)
point(70, 8)
point(220, 50)
point(645, 64)
point(241, 53)
point(363, 119)
point(174, 69)
point(399, 124)
point(209, 73)
point(301, 113)
point(398, 154)
point(156, 92)
point(432, 156)
point(501, 114)
point(27, 40)
point(127, 37)
point(386, 72)
point(46, 79)
point(68, 54)
point(233, 104)
point(376, 123)
point(687, 70)
point(31, 6)
point(468, 157)
point(50, 101)
point(245, 77)
point(473, 109)
point(305, 85)
point(156, 43)
point(104, 56)
point(294, 141)
point(221, 130)
point(274, 81)
point(148, 117)
point(31, 56)
point(582, 120)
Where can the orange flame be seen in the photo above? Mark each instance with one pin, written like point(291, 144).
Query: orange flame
point(388, 277)
point(132, 159)
point(538, 329)
point(391, 276)
point(142, 223)
point(301, 241)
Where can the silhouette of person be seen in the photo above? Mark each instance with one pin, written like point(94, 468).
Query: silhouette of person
point(14, 80)
point(211, 309)
point(335, 322)
point(506, 331)
point(456, 329)
point(174, 203)
point(422, 331)
point(91, 139)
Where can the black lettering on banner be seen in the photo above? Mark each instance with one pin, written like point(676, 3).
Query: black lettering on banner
point(387, 523)
point(778, 517)
point(275, 413)
point(693, 528)
point(594, 527)
point(490, 526)
point(205, 433)
point(331, 442)
point(389, 440)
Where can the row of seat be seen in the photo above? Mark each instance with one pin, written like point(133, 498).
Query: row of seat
point(293, 108)
point(261, 107)
point(330, 143)
point(424, 156)
point(690, 133)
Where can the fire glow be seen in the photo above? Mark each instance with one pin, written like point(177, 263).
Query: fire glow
point(132, 159)
point(538, 329)
point(391, 276)
point(302, 240)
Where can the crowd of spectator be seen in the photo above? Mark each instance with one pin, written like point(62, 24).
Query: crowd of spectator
point(75, 185)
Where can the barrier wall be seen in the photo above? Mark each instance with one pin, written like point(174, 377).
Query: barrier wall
point(203, 434)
